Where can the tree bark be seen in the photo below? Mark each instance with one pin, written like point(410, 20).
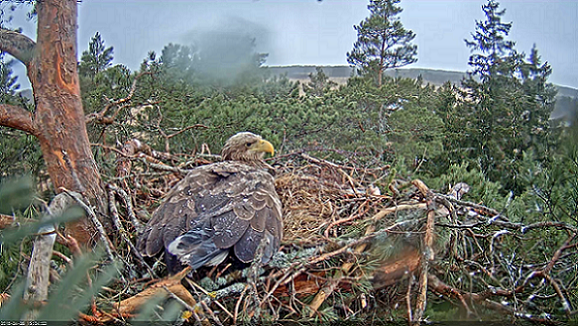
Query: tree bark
point(58, 120)
point(18, 45)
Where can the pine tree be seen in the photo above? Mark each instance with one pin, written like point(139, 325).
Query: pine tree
point(382, 41)
point(318, 83)
point(8, 81)
point(491, 45)
point(505, 104)
point(97, 58)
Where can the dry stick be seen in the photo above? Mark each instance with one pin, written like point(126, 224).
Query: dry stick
point(167, 137)
point(37, 279)
point(320, 161)
point(428, 256)
point(326, 291)
point(208, 296)
point(163, 167)
point(484, 209)
point(211, 313)
point(103, 237)
point(176, 297)
point(345, 220)
point(173, 283)
point(102, 233)
point(324, 162)
point(129, 150)
point(100, 115)
point(62, 256)
point(121, 230)
point(361, 243)
point(558, 253)
point(71, 243)
point(408, 299)
point(129, 208)
point(545, 273)
point(383, 213)
point(446, 290)
point(565, 304)
point(238, 304)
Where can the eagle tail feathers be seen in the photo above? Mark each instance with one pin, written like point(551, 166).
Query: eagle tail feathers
point(191, 249)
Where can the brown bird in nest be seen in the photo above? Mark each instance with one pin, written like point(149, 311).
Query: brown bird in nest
point(219, 208)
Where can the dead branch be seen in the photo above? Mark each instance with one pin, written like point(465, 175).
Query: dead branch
point(163, 167)
point(129, 306)
point(121, 230)
point(427, 258)
point(123, 163)
point(101, 232)
point(168, 137)
point(318, 196)
point(128, 205)
point(121, 103)
point(37, 279)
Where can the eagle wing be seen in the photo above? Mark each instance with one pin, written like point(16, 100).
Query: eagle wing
point(217, 207)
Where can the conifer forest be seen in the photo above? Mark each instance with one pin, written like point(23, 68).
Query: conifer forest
point(402, 201)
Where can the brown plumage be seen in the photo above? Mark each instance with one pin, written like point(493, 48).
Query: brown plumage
point(219, 208)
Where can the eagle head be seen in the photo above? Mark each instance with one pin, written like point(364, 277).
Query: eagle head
point(246, 147)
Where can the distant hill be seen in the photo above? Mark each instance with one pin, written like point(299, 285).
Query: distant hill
point(339, 74)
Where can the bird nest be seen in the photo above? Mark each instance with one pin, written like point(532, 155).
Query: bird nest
point(358, 244)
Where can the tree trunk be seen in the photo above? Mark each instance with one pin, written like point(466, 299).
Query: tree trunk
point(58, 121)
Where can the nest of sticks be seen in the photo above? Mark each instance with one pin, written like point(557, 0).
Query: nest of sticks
point(358, 244)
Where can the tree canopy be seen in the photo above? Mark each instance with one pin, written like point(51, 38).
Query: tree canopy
point(382, 41)
point(402, 200)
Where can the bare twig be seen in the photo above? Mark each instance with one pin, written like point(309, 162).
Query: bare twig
point(101, 232)
point(128, 205)
point(121, 230)
point(428, 256)
point(99, 116)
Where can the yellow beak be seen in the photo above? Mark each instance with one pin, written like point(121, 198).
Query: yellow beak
point(264, 146)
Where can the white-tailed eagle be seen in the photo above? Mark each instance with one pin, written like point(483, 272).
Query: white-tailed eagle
point(219, 208)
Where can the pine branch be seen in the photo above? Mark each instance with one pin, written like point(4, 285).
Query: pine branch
point(17, 117)
point(18, 45)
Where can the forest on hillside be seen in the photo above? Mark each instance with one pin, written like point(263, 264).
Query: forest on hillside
point(402, 200)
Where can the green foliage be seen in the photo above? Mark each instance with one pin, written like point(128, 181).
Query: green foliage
point(70, 295)
point(416, 134)
point(319, 83)
point(347, 124)
point(382, 41)
point(19, 152)
point(482, 190)
point(504, 107)
point(228, 60)
point(8, 82)
point(492, 133)
point(490, 40)
point(15, 194)
point(96, 59)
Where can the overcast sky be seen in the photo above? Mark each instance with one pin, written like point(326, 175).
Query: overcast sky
point(308, 32)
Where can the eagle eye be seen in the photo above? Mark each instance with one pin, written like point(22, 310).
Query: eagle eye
point(248, 144)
